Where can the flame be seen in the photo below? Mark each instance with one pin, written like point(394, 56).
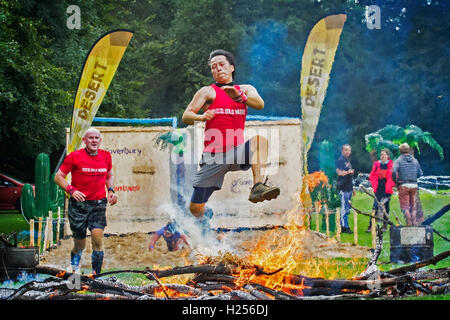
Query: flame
point(161, 292)
point(278, 253)
point(61, 274)
point(276, 250)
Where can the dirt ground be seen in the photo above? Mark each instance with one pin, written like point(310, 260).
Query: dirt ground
point(131, 250)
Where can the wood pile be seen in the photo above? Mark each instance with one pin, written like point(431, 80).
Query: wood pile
point(222, 281)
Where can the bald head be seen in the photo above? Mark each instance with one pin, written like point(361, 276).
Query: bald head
point(92, 130)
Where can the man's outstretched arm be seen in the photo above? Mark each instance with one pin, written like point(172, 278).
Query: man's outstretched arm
point(200, 99)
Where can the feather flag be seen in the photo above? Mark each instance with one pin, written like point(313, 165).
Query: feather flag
point(99, 68)
point(317, 61)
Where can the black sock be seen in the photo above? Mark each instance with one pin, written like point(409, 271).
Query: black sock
point(97, 261)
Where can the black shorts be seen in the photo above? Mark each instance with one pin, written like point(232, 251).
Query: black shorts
point(201, 195)
point(89, 214)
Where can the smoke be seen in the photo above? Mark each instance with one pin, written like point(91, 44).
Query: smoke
point(205, 243)
point(271, 64)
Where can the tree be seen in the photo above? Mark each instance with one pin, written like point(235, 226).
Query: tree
point(30, 92)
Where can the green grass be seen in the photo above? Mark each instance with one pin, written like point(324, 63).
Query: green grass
point(430, 203)
point(12, 220)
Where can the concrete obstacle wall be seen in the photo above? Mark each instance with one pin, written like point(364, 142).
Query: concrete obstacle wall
point(150, 182)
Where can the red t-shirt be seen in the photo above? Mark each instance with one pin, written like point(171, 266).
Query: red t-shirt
point(88, 172)
point(226, 130)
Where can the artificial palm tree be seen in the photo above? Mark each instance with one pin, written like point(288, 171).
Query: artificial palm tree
point(392, 136)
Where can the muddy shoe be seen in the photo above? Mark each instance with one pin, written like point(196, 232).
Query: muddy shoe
point(261, 192)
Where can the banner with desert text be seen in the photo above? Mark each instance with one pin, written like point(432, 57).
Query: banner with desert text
point(317, 60)
point(99, 68)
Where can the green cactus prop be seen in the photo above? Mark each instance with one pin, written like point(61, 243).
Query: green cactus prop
point(41, 176)
point(27, 203)
point(46, 197)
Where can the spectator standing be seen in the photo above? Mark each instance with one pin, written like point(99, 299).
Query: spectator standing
point(382, 184)
point(405, 172)
point(345, 173)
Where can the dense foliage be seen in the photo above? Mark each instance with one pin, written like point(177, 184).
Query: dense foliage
point(397, 75)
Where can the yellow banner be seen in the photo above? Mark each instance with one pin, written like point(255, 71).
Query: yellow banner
point(99, 69)
point(317, 61)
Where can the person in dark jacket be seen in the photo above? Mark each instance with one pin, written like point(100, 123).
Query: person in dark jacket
point(345, 173)
point(405, 172)
point(382, 184)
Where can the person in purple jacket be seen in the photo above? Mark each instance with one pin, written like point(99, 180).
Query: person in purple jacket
point(174, 239)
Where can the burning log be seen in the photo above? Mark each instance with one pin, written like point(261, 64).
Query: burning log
point(372, 265)
point(437, 215)
point(92, 284)
point(207, 268)
point(226, 281)
point(421, 264)
point(256, 293)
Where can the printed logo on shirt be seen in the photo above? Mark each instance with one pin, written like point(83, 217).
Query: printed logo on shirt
point(229, 111)
point(94, 170)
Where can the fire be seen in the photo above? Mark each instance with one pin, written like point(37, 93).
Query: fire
point(163, 292)
point(278, 253)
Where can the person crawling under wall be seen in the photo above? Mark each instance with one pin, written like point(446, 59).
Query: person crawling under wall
point(174, 239)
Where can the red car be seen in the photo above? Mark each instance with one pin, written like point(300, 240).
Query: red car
point(10, 189)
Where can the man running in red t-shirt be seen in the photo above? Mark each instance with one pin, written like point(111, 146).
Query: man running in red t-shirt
point(224, 105)
point(91, 170)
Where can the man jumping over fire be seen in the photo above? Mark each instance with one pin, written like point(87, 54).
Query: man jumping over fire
point(224, 105)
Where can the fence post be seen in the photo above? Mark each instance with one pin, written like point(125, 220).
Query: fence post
point(58, 226)
point(316, 206)
point(50, 230)
point(39, 233)
point(308, 219)
point(355, 227)
point(373, 229)
point(338, 223)
point(45, 234)
point(31, 232)
point(327, 222)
